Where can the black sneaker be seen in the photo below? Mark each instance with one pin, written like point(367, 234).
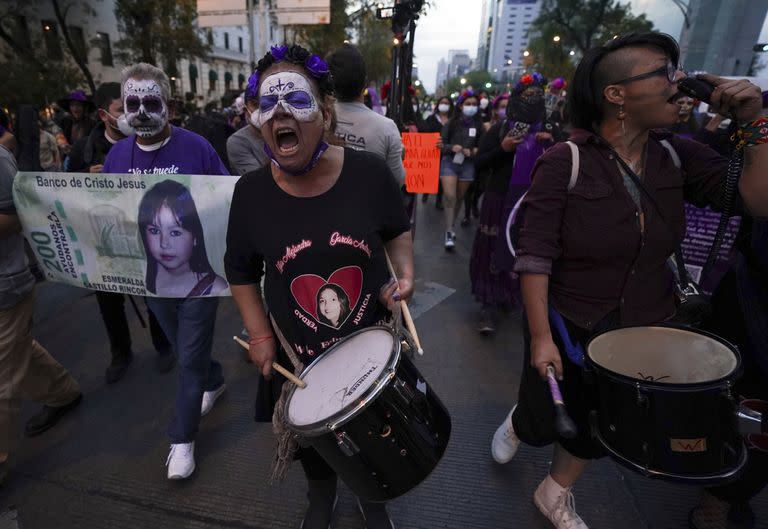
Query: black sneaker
point(49, 416)
point(322, 502)
point(165, 361)
point(450, 241)
point(117, 368)
point(375, 515)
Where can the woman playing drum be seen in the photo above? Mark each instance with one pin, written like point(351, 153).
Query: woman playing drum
point(597, 253)
point(317, 216)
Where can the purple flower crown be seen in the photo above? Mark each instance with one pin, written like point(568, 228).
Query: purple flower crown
point(313, 63)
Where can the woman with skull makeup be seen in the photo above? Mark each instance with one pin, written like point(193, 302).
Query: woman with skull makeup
point(312, 196)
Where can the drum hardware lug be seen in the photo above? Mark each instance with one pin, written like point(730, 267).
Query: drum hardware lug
point(612, 428)
point(346, 445)
point(642, 400)
point(405, 346)
point(386, 431)
point(750, 421)
point(403, 452)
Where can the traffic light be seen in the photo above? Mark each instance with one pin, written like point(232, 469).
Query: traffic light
point(760, 48)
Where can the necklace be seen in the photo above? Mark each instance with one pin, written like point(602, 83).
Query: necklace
point(157, 151)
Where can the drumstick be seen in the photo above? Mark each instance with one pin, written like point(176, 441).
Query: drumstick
point(564, 425)
point(277, 367)
point(406, 311)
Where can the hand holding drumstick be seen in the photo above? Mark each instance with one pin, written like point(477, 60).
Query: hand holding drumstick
point(277, 367)
point(399, 291)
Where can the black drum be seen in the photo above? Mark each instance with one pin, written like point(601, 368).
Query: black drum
point(665, 402)
point(371, 415)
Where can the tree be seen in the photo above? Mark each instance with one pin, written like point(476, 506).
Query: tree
point(375, 45)
point(475, 80)
point(29, 75)
point(322, 39)
point(159, 30)
point(580, 25)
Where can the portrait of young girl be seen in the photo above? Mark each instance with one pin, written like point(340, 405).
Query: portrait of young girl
point(170, 228)
point(332, 305)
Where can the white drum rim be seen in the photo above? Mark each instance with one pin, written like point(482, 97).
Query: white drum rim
point(734, 373)
point(355, 408)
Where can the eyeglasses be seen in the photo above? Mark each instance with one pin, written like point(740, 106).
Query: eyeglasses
point(670, 70)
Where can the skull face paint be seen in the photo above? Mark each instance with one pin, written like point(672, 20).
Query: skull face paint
point(290, 90)
point(686, 106)
point(145, 108)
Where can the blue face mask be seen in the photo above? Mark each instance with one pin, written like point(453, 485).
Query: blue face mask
point(469, 110)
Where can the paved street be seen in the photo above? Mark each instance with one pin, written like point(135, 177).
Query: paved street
point(104, 466)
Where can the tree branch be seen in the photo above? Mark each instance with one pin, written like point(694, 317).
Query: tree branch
point(80, 61)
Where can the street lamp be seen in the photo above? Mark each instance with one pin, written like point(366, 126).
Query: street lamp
point(526, 53)
point(509, 62)
point(463, 81)
point(556, 38)
point(572, 53)
point(417, 82)
point(488, 85)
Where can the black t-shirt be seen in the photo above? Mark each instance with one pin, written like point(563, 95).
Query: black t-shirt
point(323, 255)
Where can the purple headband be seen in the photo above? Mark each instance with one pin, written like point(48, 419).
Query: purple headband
point(77, 95)
point(314, 64)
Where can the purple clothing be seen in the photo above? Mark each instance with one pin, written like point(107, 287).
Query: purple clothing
point(185, 153)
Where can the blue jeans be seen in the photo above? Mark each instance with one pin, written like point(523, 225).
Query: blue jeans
point(188, 324)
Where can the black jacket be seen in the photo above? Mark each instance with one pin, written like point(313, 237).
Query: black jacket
point(89, 151)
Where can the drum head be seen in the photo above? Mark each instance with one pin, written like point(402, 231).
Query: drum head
point(340, 377)
point(663, 355)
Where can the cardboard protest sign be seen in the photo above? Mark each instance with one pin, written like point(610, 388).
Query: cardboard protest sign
point(422, 162)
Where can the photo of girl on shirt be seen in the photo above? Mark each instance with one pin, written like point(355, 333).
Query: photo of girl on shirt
point(332, 305)
point(170, 228)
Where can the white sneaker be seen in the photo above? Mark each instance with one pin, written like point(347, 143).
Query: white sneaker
point(210, 398)
point(450, 240)
point(505, 442)
point(181, 460)
point(557, 504)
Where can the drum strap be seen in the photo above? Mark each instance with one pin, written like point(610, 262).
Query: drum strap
point(286, 346)
point(286, 441)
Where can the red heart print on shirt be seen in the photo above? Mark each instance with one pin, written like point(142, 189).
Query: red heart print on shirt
point(329, 301)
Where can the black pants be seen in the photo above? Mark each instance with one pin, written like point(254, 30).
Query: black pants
point(315, 467)
point(112, 308)
point(727, 321)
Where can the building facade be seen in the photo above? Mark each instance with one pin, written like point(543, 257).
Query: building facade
point(442, 73)
point(721, 35)
point(505, 36)
point(95, 30)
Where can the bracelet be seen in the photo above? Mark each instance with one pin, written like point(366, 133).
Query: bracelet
point(260, 339)
point(753, 133)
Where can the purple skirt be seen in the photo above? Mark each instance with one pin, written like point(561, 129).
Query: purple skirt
point(490, 285)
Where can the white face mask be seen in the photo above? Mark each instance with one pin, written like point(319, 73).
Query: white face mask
point(123, 126)
point(444, 107)
point(290, 90)
point(415, 108)
point(145, 109)
point(484, 103)
point(469, 110)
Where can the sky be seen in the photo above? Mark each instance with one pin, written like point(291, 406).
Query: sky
point(455, 24)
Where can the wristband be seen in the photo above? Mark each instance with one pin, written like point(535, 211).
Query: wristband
point(753, 133)
point(260, 339)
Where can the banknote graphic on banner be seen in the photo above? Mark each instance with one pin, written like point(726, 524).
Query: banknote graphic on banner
point(154, 235)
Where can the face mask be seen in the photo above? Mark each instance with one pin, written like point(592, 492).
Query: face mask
point(123, 126)
point(469, 111)
point(415, 108)
point(444, 107)
point(528, 109)
point(291, 91)
point(145, 108)
point(501, 112)
point(484, 103)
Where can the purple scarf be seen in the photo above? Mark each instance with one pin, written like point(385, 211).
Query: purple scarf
point(526, 155)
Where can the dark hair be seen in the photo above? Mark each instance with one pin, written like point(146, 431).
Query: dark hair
point(343, 301)
point(348, 71)
point(600, 67)
point(297, 55)
point(105, 94)
point(178, 198)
